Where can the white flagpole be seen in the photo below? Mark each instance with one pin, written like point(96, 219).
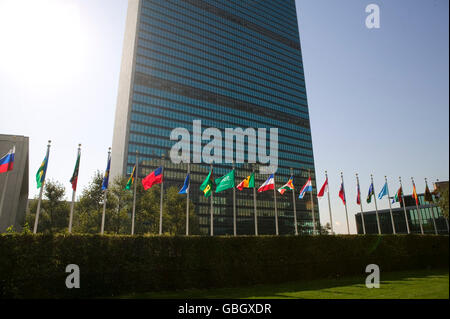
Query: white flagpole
point(38, 210)
point(234, 206)
point(345, 203)
point(432, 213)
point(404, 206)
point(102, 230)
point(5, 187)
point(133, 216)
point(73, 195)
point(187, 199)
point(312, 206)
point(329, 202)
point(360, 205)
point(275, 204)
point(376, 207)
point(294, 205)
point(390, 207)
point(254, 202)
point(417, 207)
point(211, 218)
point(161, 200)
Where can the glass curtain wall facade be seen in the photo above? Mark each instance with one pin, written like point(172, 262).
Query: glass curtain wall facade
point(230, 64)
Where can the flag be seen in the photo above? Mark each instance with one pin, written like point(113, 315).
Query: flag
point(40, 175)
point(249, 182)
point(268, 185)
point(131, 179)
point(414, 195)
point(7, 161)
point(398, 196)
point(106, 177)
point(428, 195)
point(342, 193)
point(436, 191)
point(155, 177)
point(207, 185)
point(358, 195)
point(371, 192)
point(384, 191)
point(306, 188)
point(74, 179)
point(288, 185)
point(185, 188)
point(225, 182)
point(323, 188)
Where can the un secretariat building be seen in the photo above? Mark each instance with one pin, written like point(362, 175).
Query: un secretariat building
point(228, 63)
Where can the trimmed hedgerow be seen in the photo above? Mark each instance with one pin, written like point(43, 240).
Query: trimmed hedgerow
point(33, 266)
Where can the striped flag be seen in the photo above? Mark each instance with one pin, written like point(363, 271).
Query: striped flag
point(342, 193)
point(414, 195)
point(40, 175)
point(74, 179)
point(398, 196)
point(288, 185)
point(323, 188)
point(306, 188)
point(106, 177)
point(131, 179)
point(358, 195)
point(7, 161)
point(268, 185)
point(249, 182)
point(155, 177)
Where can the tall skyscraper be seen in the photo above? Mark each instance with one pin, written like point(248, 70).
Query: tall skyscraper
point(228, 63)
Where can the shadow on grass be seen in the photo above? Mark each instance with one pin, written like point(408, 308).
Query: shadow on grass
point(288, 290)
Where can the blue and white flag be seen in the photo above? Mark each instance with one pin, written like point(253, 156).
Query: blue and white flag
point(306, 188)
point(106, 177)
point(384, 191)
point(185, 188)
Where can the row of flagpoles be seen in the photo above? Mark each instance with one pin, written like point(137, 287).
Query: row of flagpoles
point(398, 197)
point(222, 183)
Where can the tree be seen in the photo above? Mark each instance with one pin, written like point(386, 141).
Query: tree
point(54, 213)
point(442, 201)
point(120, 221)
point(147, 210)
point(174, 212)
point(89, 209)
point(175, 205)
point(325, 230)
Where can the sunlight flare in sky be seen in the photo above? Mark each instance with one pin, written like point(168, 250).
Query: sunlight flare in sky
point(42, 41)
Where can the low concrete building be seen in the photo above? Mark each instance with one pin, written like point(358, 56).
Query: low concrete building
point(16, 186)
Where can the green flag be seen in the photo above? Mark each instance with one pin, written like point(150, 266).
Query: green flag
point(225, 182)
point(131, 179)
point(40, 175)
point(207, 185)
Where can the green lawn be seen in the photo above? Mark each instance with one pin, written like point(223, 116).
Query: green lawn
point(421, 284)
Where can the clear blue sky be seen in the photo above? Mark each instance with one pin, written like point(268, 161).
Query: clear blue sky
point(379, 99)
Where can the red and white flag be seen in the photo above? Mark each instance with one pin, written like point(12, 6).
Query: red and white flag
point(268, 185)
point(342, 193)
point(322, 190)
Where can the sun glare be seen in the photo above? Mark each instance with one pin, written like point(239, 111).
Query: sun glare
point(41, 41)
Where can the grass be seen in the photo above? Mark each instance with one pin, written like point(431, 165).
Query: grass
point(420, 284)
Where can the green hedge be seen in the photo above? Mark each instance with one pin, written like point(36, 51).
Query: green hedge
point(33, 266)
